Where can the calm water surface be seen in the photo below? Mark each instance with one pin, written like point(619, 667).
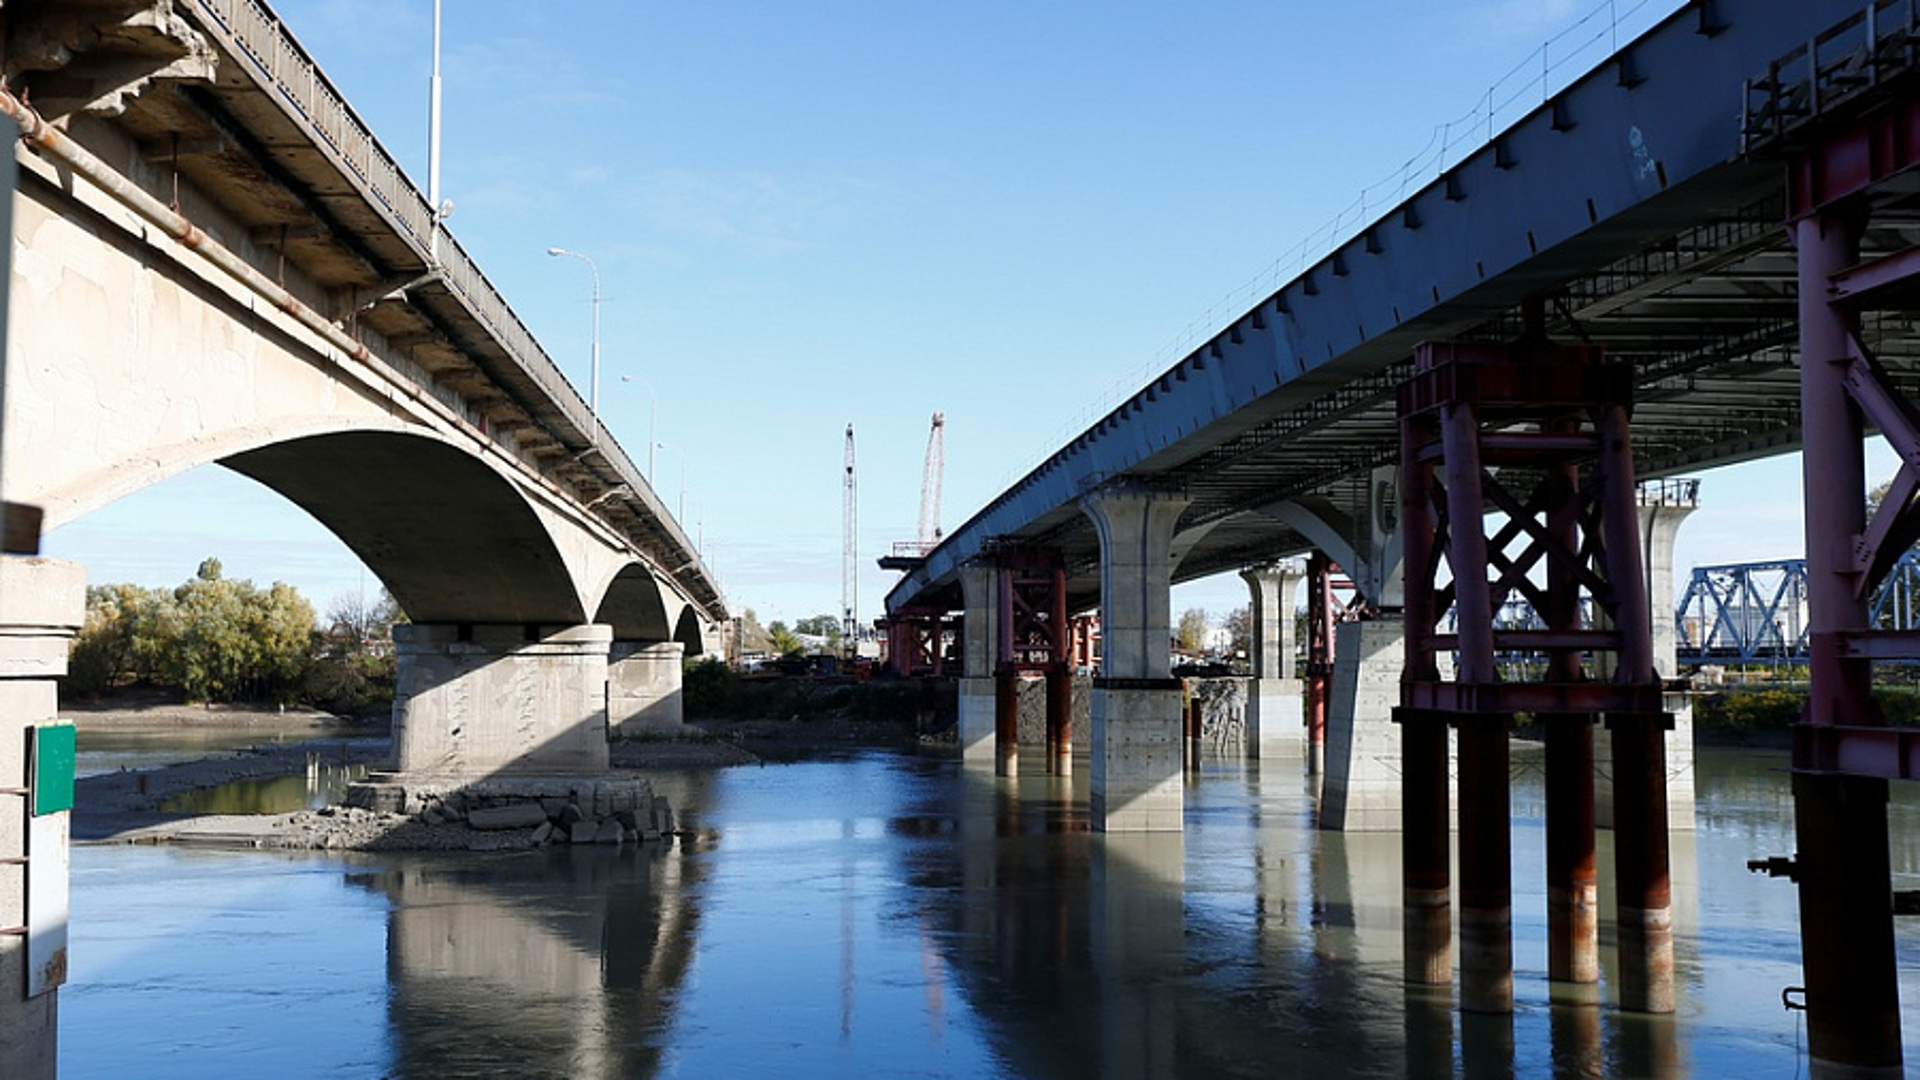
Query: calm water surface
point(892, 916)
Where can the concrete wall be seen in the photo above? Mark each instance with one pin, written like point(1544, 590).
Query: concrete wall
point(644, 694)
point(484, 700)
point(42, 602)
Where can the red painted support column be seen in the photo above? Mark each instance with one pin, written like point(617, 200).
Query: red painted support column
point(1643, 892)
point(1006, 721)
point(1319, 657)
point(1573, 916)
point(1059, 675)
point(1060, 719)
point(1426, 821)
point(1846, 922)
point(1486, 816)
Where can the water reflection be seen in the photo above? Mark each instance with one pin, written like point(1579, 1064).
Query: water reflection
point(889, 915)
point(562, 963)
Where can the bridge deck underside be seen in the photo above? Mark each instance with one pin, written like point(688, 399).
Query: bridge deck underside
point(1706, 316)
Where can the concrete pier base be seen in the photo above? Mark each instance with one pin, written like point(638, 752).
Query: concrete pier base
point(644, 688)
point(1136, 759)
point(977, 725)
point(42, 603)
point(1276, 719)
point(1362, 790)
point(477, 701)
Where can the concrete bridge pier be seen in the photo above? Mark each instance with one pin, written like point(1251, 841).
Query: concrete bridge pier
point(42, 604)
point(644, 682)
point(1363, 774)
point(1274, 716)
point(978, 723)
point(1136, 759)
point(476, 701)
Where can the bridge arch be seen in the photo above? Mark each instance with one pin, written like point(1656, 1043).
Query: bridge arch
point(450, 537)
point(688, 632)
point(634, 606)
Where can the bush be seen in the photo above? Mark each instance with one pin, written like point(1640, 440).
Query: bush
point(1745, 711)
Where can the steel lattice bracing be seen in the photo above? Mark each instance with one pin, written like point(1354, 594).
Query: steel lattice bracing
point(1744, 613)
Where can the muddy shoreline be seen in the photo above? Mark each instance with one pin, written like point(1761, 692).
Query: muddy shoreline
point(126, 806)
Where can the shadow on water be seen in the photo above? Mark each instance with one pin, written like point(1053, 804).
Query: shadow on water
point(886, 914)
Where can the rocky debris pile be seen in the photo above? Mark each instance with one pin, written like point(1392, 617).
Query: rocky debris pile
point(491, 823)
point(510, 812)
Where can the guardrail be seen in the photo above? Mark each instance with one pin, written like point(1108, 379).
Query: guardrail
point(248, 29)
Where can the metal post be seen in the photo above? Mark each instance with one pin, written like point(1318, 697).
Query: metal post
point(1846, 922)
point(1427, 882)
point(1006, 721)
point(593, 384)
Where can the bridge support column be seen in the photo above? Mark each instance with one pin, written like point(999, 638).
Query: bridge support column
point(476, 701)
point(1060, 719)
point(1136, 758)
point(1558, 416)
point(1840, 797)
point(644, 688)
point(980, 642)
point(42, 604)
point(1273, 693)
point(1664, 506)
point(1362, 791)
point(1323, 615)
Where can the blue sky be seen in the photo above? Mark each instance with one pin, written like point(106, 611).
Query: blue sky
point(863, 211)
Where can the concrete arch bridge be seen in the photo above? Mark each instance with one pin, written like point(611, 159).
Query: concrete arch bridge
point(211, 260)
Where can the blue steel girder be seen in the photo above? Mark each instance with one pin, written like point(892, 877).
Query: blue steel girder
point(1624, 201)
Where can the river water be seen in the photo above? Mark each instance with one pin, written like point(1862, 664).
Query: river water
point(886, 915)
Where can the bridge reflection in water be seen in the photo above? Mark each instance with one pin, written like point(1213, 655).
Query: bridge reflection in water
point(883, 915)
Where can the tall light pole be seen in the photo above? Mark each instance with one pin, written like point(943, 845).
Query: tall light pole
point(433, 145)
point(653, 422)
point(593, 386)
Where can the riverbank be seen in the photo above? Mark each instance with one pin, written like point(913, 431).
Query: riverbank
point(127, 806)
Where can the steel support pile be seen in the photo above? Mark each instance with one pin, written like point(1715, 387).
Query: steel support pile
point(1035, 636)
point(1846, 169)
point(1477, 421)
point(1324, 612)
point(916, 640)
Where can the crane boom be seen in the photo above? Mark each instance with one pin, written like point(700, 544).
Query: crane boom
point(930, 484)
point(850, 557)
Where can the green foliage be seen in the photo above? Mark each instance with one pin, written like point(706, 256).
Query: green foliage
point(1747, 711)
point(826, 626)
point(218, 640)
point(108, 650)
point(1192, 632)
point(1744, 711)
point(783, 641)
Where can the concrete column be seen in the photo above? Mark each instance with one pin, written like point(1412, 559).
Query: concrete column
point(1362, 791)
point(979, 644)
point(42, 603)
point(1274, 716)
point(1659, 525)
point(644, 688)
point(1135, 758)
point(478, 701)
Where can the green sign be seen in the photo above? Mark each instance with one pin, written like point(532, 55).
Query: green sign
point(54, 748)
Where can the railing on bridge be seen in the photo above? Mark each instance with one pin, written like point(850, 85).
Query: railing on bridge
point(251, 30)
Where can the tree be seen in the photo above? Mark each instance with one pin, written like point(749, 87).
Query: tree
point(1192, 632)
point(826, 626)
point(1240, 632)
point(782, 640)
point(753, 636)
point(106, 651)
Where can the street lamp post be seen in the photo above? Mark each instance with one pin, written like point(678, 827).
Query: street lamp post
point(593, 386)
point(653, 422)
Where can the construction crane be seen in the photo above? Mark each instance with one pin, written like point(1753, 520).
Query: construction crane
point(930, 485)
point(850, 557)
